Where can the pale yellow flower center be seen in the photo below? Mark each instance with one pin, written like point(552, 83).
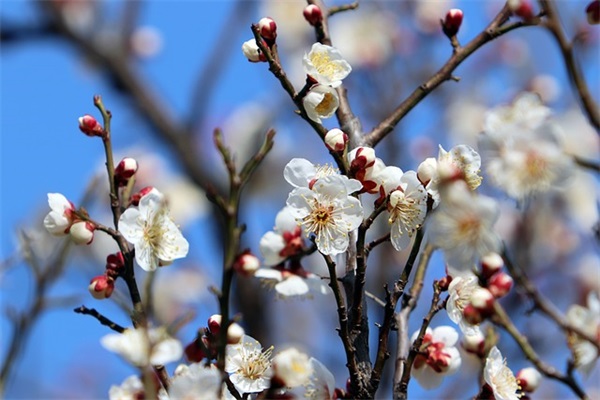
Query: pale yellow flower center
point(404, 208)
point(255, 363)
point(324, 65)
point(326, 104)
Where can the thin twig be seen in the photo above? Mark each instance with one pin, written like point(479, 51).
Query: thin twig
point(101, 318)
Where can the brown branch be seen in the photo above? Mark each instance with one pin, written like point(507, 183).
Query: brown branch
point(491, 32)
point(101, 318)
point(587, 164)
point(345, 7)
point(579, 85)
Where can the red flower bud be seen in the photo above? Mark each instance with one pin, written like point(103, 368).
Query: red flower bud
point(451, 24)
point(135, 198)
point(193, 351)
point(214, 323)
point(268, 29)
point(521, 8)
point(101, 287)
point(313, 14)
point(125, 170)
point(500, 284)
point(89, 126)
point(593, 12)
point(246, 263)
point(490, 264)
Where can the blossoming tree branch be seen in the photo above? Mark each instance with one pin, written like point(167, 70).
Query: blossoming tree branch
point(339, 215)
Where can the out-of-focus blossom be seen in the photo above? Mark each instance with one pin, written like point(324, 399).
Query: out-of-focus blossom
point(529, 379)
point(155, 236)
point(196, 382)
point(177, 291)
point(131, 389)
point(525, 112)
point(142, 347)
point(459, 297)
point(429, 13)
point(327, 211)
point(326, 65)
point(592, 12)
point(292, 281)
point(438, 356)
point(499, 377)
point(146, 41)
point(321, 102)
point(292, 367)
point(322, 382)
point(313, 14)
point(587, 319)
point(462, 226)
point(249, 366)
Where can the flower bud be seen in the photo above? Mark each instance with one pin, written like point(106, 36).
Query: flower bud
point(427, 170)
point(483, 300)
point(500, 284)
point(472, 315)
point(490, 264)
point(362, 158)
point(193, 351)
point(246, 264)
point(474, 344)
point(89, 126)
point(125, 170)
point(235, 332)
point(313, 14)
point(292, 367)
point(521, 8)
point(529, 379)
point(214, 323)
point(268, 29)
point(336, 140)
point(252, 52)
point(135, 198)
point(101, 287)
point(444, 283)
point(593, 12)
point(451, 24)
point(82, 232)
point(114, 264)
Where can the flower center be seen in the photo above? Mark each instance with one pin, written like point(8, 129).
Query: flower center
point(255, 363)
point(404, 209)
point(324, 65)
point(326, 104)
point(468, 228)
point(505, 382)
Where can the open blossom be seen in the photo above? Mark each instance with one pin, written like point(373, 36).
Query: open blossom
point(439, 356)
point(132, 388)
point(407, 207)
point(155, 236)
point(300, 172)
point(59, 219)
point(326, 65)
point(195, 382)
point(327, 211)
point(460, 291)
point(587, 319)
point(285, 240)
point(463, 227)
point(292, 367)
point(142, 347)
point(249, 365)
point(321, 102)
point(499, 377)
point(525, 112)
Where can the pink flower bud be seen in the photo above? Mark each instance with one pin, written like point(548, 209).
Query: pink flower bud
point(336, 140)
point(114, 263)
point(483, 300)
point(593, 12)
point(89, 126)
point(268, 29)
point(427, 170)
point(500, 284)
point(193, 351)
point(101, 287)
point(125, 170)
point(246, 264)
point(214, 323)
point(313, 14)
point(490, 264)
point(472, 315)
point(451, 24)
point(474, 344)
point(135, 198)
point(235, 333)
point(529, 379)
point(444, 283)
point(82, 232)
point(521, 8)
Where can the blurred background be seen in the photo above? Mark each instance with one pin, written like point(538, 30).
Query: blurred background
point(172, 72)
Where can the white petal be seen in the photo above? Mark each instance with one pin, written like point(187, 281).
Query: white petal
point(292, 286)
point(446, 335)
point(145, 257)
point(268, 273)
point(166, 351)
point(285, 221)
point(56, 223)
point(58, 202)
point(131, 225)
point(427, 377)
point(299, 172)
point(298, 202)
point(270, 246)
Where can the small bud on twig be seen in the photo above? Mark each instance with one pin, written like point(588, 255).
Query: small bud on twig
point(593, 12)
point(452, 22)
point(313, 14)
point(89, 126)
point(268, 29)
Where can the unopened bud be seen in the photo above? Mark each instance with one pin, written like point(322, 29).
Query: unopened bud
point(474, 343)
point(114, 264)
point(490, 264)
point(483, 300)
point(125, 170)
point(89, 126)
point(246, 264)
point(593, 12)
point(500, 284)
point(521, 8)
point(444, 283)
point(135, 198)
point(451, 24)
point(472, 315)
point(362, 158)
point(194, 352)
point(313, 14)
point(235, 332)
point(427, 170)
point(336, 140)
point(252, 52)
point(529, 379)
point(101, 287)
point(268, 29)
point(82, 232)
point(214, 323)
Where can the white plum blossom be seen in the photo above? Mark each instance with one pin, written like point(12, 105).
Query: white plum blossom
point(459, 296)
point(462, 226)
point(326, 65)
point(195, 382)
point(252, 52)
point(321, 102)
point(587, 320)
point(131, 389)
point(293, 281)
point(499, 377)
point(300, 172)
point(249, 366)
point(141, 347)
point(407, 206)
point(328, 211)
point(283, 241)
point(526, 112)
point(439, 356)
point(292, 367)
point(155, 236)
point(321, 385)
point(59, 219)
